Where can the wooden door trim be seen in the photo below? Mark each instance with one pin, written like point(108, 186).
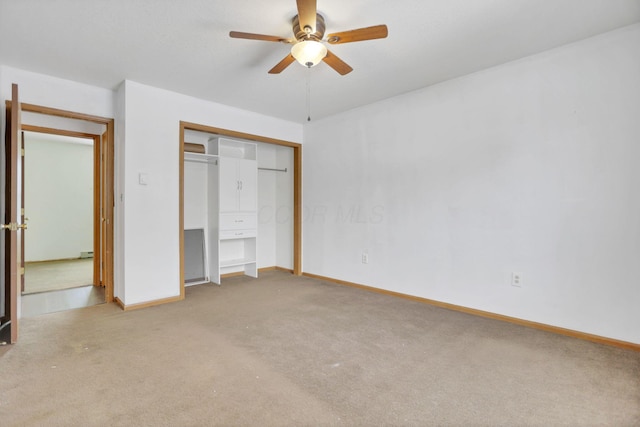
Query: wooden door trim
point(109, 205)
point(60, 132)
point(32, 108)
point(110, 185)
point(297, 187)
point(236, 134)
point(97, 211)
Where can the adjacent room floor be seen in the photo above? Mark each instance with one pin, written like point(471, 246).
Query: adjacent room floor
point(64, 299)
point(55, 275)
point(52, 286)
point(289, 351)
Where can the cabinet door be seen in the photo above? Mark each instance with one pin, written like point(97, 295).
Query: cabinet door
point(229, 185)
point(248, 177)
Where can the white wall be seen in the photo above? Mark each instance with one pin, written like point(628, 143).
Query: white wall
point(527, 167)
point(58, 197)
point(267, 246)
point(275, 204)
point(195, 195)
point(118, 196)
point(283, 208)
point(151, 133)
point(56, 93)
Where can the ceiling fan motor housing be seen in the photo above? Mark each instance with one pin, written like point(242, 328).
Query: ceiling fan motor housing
point(301, 34)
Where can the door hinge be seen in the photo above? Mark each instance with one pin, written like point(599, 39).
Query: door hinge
point(22, 152)
point(22, 271)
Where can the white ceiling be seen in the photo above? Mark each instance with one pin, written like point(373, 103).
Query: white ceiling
point(184, 45)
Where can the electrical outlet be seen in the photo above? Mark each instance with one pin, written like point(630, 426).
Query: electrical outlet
point(516, 280)
point(365, 258)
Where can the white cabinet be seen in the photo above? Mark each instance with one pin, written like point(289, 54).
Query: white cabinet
point(237, 206)
point(238, 185)
point(238, 221)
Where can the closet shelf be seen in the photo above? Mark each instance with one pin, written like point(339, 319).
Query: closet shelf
point(200, 158)
point(236, 262)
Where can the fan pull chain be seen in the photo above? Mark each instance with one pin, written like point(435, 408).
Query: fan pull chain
point(309, 94)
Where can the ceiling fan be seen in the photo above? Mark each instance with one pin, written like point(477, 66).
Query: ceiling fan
point(308, 30)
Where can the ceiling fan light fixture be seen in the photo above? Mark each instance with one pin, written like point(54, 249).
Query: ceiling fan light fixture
point(309, 52)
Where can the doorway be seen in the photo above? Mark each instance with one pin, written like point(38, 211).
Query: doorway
point(68, 142)
point(60, 188)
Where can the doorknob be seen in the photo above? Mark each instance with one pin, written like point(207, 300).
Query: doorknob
point(12, 226)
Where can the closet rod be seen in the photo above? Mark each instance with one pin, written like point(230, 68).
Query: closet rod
point(214, 161)
point(275, 170)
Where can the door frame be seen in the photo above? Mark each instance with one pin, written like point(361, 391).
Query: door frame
point(104, 204)
point(297, 188)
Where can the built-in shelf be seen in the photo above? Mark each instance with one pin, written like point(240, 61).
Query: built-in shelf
point(199, 282)
point(235, 262)
point(233, 148)
point(200, 158)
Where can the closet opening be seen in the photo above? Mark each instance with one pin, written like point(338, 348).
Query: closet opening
point(240, 204)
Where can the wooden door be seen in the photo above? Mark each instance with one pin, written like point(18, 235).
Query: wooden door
point(14, 226)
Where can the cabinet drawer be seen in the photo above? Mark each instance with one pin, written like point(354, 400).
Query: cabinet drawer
point(238, 221)
point(237, 234)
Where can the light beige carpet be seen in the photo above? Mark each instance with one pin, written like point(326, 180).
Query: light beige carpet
point(55, 275)
point(289, 351)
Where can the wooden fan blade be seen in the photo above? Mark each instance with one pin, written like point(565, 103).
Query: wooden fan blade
point(337, 64)
point(251, 36)
point(282, 64)
point(369, 33)
point(307, 14)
